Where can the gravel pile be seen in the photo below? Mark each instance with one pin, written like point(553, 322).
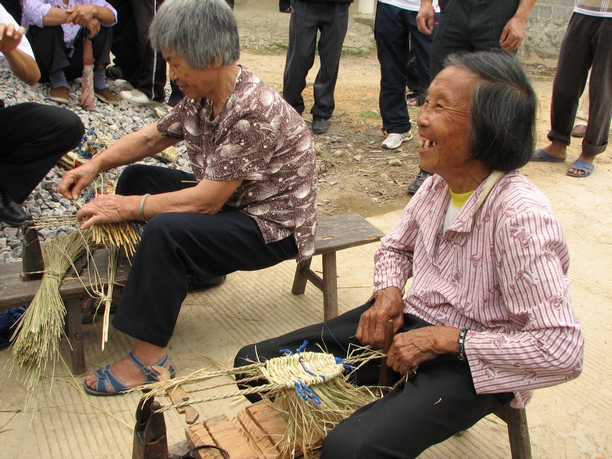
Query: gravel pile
point(106, 120)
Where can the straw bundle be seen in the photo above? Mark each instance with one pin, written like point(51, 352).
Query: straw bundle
point(35, 341)
point(310, 389)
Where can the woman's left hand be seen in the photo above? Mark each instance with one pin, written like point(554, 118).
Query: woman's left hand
point(410, 349)
point(107, 208)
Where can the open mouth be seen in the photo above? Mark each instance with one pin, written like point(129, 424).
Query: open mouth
point(425, 143)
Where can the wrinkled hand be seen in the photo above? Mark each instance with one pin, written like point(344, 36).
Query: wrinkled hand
point(94, 27)
point(105, 208)
point(81, 14)
point(410, 349)
point(425, 19)
point(372, 323)
point(512, 35)
point(76, 180)
point(10, 38)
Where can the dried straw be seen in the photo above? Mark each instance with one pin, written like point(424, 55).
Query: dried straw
point(35, 341)
point(310, 389)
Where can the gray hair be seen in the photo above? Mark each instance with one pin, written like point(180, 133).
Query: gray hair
point(199, 31)
point(502, 109)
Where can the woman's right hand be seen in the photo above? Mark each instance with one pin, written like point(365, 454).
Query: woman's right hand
point(76, 180)
point(388, 305)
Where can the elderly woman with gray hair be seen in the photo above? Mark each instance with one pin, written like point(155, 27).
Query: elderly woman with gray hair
point(488, 317)
point(254, 203)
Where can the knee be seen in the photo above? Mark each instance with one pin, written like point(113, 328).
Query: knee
point(346, 443)
point(130, 180)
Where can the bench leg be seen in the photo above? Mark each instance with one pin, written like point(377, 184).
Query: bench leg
point(300, 279)
point(74, 330)
point(518, 431)
point(330, 286)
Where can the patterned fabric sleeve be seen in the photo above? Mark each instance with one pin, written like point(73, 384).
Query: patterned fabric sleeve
point(532, 260)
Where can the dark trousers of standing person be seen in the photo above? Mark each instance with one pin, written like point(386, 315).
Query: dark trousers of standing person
point(284, 5)
point(587, 44)
point(331, 19)
point(469, 25)
point(140, 65)
point(175, 246)
point(392, 30)
point(52, 55)
point(34, 138)
point(439, 401)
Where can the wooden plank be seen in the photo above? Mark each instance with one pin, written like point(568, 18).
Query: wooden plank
point(269, 420)
point(16, 291)
point(225, 434)
point(258, 437)
point(339, 232)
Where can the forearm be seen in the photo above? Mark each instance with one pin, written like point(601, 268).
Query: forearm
point(524, 9)
point(132, 148)
point(23, 66)
point(55, 16)
point(104, 15)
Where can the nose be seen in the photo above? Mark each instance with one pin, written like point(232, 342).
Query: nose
point(423, 116)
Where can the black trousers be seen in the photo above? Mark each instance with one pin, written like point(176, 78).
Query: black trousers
point(436, 403)
point(469, 25)
point(52, 55)
point(34, 137)
point(587, 44)
point(143, 67)
point(308, 18)
point(177, 245)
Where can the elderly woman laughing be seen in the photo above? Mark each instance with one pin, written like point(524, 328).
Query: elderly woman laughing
point(254, 204)
point(488, 317)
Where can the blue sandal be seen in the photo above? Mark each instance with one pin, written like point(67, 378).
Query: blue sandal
point(108, 384)
point(582, 166)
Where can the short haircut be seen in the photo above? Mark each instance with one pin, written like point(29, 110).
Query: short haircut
point(502, 109)
point(201, 32)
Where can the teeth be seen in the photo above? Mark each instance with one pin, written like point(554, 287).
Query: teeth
point(427, 144)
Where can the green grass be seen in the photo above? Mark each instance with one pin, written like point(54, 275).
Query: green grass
point(371, 114)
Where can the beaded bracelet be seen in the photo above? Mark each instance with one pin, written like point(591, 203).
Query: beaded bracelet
point(461, 344)
point(141, 209)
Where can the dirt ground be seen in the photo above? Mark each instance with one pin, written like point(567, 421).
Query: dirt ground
point(355, 173)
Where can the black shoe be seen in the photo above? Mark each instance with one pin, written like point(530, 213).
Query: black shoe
point(113, 72)
point(286, 10)
point(414, 186)
point(11, 213)
point(195, 283)
point(319, 125)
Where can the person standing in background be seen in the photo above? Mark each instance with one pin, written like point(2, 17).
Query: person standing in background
point(587, 45)
point(330, 18)
point(142, 67)
point(396, 21)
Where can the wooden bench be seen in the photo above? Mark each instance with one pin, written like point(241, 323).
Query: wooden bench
point(334, 233)
point(16, 291)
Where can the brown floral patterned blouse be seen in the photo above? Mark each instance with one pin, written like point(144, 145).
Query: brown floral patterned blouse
point(260, 139)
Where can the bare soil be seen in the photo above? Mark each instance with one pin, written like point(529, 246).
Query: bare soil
point(355, 173)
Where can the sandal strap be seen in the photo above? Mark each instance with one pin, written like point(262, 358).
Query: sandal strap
point(150, 374)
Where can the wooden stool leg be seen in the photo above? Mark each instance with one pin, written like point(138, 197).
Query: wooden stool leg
point(74, 333)
point(300, 279)
point(518, 431)
point(330, 286)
